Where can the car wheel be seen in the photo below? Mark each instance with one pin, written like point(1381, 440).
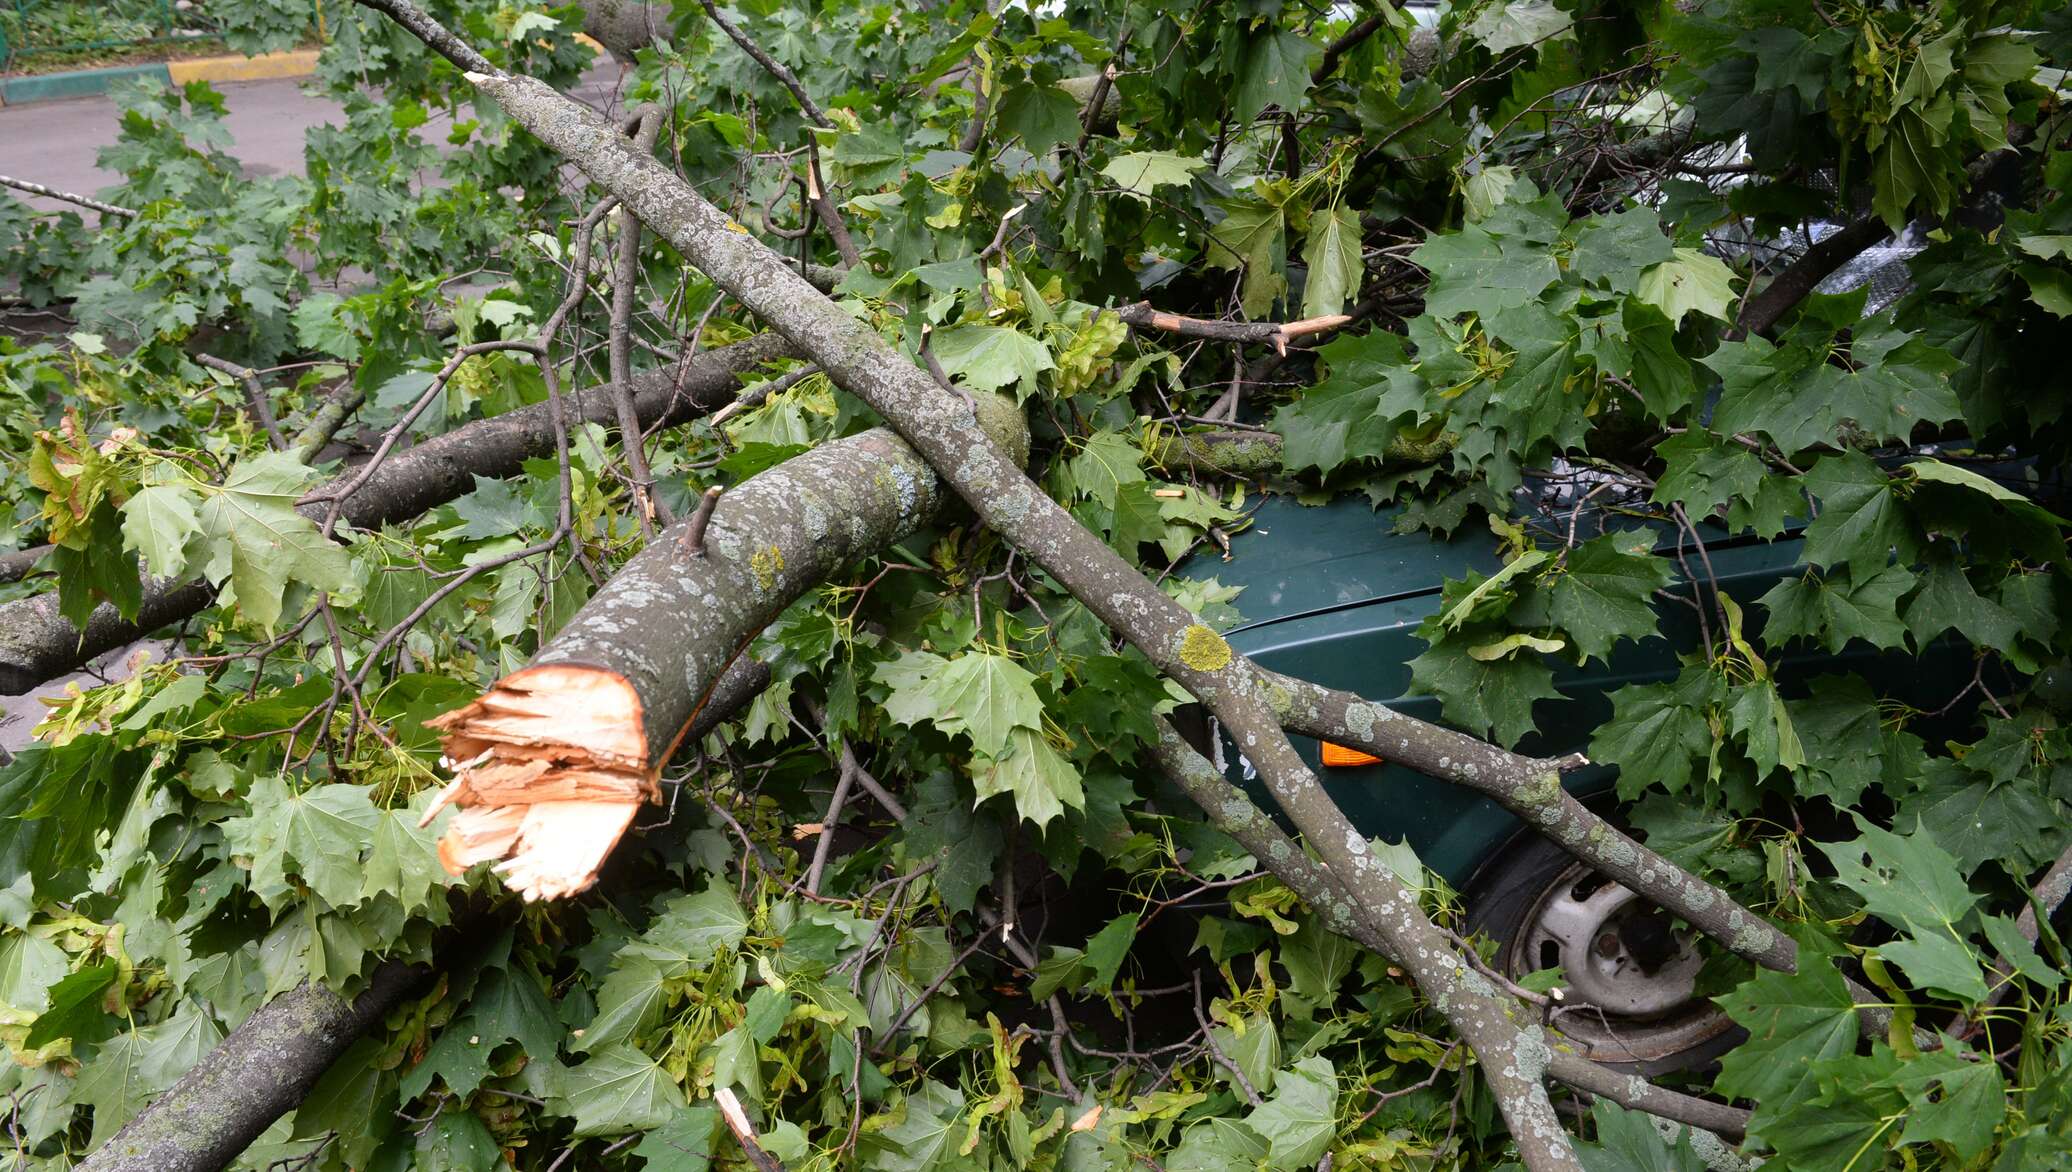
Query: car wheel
point(1630, 969)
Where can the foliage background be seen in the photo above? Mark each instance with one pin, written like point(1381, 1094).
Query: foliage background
point(1546, 217)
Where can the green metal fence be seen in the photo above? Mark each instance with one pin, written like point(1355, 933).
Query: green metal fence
point(33, 31)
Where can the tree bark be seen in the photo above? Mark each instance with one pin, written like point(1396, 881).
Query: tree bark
point(38, 644)
point(266, 1066)
point(557, 758)
point(254, 1076)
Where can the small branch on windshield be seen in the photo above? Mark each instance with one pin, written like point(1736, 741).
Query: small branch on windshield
point(1277, 334)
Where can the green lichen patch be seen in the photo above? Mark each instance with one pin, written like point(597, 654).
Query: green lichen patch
point(766, 563)
point(1203, 649)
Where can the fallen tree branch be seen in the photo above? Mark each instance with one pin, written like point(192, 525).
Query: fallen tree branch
point(1767, 306)
point(324, 423)
point(1232, 812)
point(39, 644)
point(1347, 41)
point(265, 1067)
point(85, 201)
point(1276, 334)
point(942, 429)
point(647, 126)
point(255, 1075)
point(17, 564)
point(556, 759)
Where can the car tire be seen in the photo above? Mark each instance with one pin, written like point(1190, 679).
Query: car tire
point(1514, 900)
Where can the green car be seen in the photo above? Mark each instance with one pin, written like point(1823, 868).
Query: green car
point(1333, 595)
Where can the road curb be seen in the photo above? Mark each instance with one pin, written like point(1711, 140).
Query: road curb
point(81, 83)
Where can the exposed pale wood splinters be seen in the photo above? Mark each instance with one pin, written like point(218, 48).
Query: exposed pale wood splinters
point(477, 835)
point(561, 845)
point(549, 767)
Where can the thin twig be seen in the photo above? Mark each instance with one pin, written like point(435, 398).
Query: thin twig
point(255, 397)
point(85, 201)
point(694, 529)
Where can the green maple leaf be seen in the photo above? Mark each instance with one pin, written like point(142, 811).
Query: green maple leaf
point(1477, 271)
point(113, 1083)
point(1253, 236)
point(1218, 1144)
point(684, 1144)
point(1332, 252)
point(629, 1002)
point(1690, 280)
point(1794, 1021)
point(1936, 960)
point(986, 697)
point(1947, 601)
point(1955, 1097)
point(29, 966)
point(317, 834)
point(494, 510)
point(1485, 696)
point(964, 844)
point(1615, 249)
point(1840, 716)
point(403, 861)
point(1758, 713)
point(928, 1134)
point(1606, 590)
point(1657, 731)
point(991, 357)
point(1350, 415)
point(1860, 519)
point(252, 537)
point(619, 1089)
point(1515, 24)
point(692, 929)
point(1906, 880)
point(1106, 462)
point(1042, 116)
point(1142, 172)
point(1042, 781)
point(158, 523)
point(908, 677)
point(1301, 1119)
point(1836, 609)
point(1275, 72)
point(1628, 1142)
point(1139, 517)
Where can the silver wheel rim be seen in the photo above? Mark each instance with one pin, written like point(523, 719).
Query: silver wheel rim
point(1614, 1007)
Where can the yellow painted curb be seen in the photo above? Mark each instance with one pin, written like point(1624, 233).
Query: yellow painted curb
point(587, 39)
point(300, 63)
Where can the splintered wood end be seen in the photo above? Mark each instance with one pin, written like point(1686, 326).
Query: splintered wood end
point(550, 767)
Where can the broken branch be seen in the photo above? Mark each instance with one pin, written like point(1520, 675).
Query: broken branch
point(556, 759)
point(1277, 334)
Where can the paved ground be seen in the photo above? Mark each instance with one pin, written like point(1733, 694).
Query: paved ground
point(55, 143)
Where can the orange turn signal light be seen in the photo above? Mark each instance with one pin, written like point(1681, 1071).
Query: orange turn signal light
point(1340, 757)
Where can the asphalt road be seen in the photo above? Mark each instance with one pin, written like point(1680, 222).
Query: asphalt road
point(57, 143)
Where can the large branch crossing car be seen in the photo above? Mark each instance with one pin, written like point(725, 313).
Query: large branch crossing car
point(1332, 594)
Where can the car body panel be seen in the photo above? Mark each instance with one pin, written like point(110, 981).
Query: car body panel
point(1333, 595)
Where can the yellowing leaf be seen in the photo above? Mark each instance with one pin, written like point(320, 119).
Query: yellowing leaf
point(1690, 280)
